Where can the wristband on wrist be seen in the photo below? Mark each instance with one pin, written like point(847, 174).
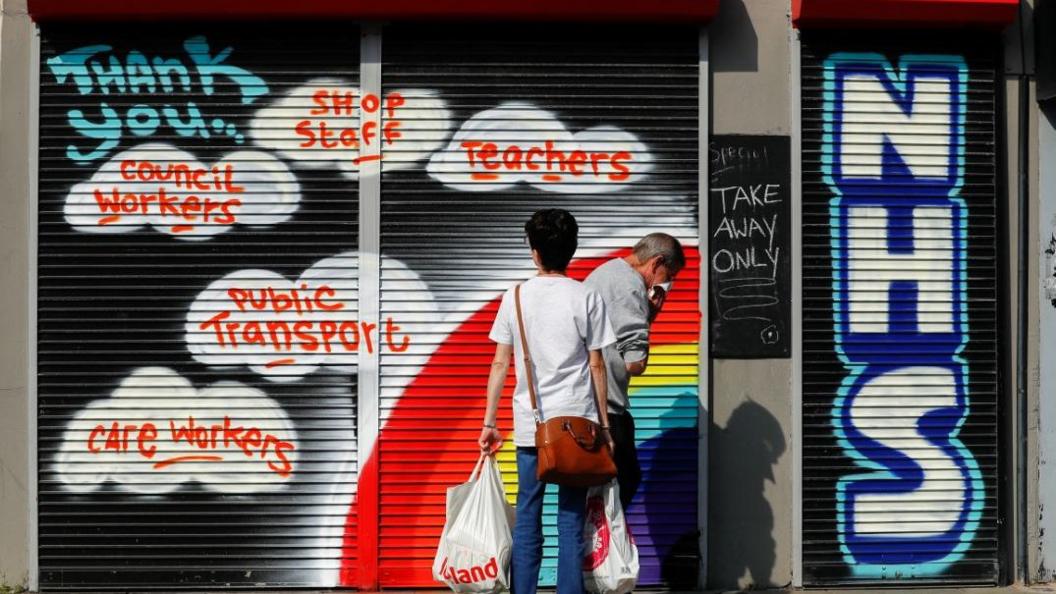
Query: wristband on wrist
point(489, 426)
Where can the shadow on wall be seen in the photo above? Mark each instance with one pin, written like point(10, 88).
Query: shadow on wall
point(742, 458)
point(733, 42)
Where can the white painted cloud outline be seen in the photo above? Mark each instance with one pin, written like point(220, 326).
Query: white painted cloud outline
point(424, 123)
point(270, 194)
point(157, 395)
point(524, 125)
point(339, 275)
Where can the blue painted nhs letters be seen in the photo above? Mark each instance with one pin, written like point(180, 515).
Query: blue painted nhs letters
point(893, 156)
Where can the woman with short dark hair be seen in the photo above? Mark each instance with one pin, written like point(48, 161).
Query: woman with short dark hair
point(566, 327)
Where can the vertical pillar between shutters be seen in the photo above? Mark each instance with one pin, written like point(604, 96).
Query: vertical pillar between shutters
point(704, 377)
point(369, 311)
point(33, 150)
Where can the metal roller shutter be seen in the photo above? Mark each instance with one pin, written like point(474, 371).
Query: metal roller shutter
point(452, 242)
point(901, 309)
point(197, 305)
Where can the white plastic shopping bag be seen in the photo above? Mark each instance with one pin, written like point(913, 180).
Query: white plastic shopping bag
point(475, 546)
point(611, 563)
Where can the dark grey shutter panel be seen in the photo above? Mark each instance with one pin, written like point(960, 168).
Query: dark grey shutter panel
point(466, 245)
point(113, 313)
point(901, 309)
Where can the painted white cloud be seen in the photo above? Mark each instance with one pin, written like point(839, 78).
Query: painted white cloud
point(518, 142)
point(156, 432)
point(158, 184)
point(319, 125)
point(285, 329)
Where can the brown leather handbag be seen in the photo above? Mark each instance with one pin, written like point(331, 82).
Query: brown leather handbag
point(571, 450)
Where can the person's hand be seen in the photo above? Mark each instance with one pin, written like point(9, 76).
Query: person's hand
point(490, 440)
point(657, 296)
point(608, 440)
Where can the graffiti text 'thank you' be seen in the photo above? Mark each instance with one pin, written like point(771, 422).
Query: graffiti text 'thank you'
point(893, 157)
point(98, 70)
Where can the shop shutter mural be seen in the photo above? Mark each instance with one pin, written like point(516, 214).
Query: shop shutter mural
point(197, 307)
point(608, 120)
point(901, 363)
point(198, 327)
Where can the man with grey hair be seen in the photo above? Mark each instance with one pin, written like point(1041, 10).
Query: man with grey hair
point(634, 289)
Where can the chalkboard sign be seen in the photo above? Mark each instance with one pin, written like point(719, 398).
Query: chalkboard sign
point(749, 256)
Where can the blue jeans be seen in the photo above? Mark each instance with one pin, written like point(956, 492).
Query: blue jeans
point(528, 531)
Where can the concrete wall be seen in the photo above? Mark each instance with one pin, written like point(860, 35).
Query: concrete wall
point(16, 487)
point(750, 471)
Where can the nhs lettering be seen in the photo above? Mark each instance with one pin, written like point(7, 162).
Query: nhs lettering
point(893, 156)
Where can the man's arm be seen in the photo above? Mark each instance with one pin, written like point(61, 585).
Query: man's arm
point(656, 303)
point(637, 367)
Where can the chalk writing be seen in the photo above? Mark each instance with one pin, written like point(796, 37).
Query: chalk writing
point(168, 188)
point(322, 123)
point(97, 69)
point(741, 221)
point(517, 142)
point(157, 431)
point(748, 214)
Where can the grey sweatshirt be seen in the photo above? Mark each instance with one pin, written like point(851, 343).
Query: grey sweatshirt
point(624, 292)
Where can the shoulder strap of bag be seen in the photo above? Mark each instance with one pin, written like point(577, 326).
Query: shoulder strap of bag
point(527, 357)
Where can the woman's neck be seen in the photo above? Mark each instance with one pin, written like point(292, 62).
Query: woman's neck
point(550, 272)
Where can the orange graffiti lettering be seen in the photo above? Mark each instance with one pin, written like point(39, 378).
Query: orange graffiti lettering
point(196, 208)
point(118, 436)
point(304, 336)
point(253, 442)
point(546, 159)
point(326, 130)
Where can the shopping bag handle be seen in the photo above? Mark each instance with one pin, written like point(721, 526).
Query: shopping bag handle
point(477, 467)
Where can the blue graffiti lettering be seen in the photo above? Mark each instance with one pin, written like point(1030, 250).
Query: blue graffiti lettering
point(140, 75)
point(893, 156)
point(97, 69)
point(108, 131)
point(252, 86)
point(165, 68)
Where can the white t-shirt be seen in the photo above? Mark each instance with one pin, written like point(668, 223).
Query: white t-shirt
point(564, 320)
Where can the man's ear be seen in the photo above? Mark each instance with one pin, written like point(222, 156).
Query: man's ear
point(654, 264)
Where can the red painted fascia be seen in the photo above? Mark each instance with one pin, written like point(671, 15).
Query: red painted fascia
point(680, 11)
point(903, 13)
